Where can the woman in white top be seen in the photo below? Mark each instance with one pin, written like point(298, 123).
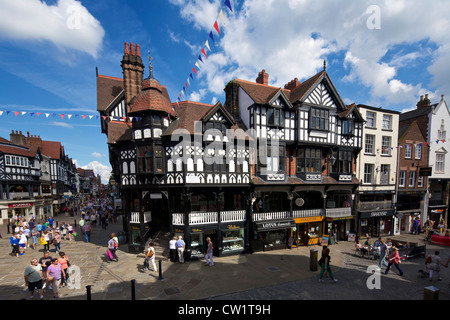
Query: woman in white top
point(173, 249)
point(150, 256)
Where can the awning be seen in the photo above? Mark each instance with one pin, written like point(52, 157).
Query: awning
point(275, 224)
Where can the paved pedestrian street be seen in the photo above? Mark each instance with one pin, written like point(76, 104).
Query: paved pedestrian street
point(275, 275)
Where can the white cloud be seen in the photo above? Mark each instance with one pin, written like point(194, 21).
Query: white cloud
point(290, 38)
point(99, 169)
point(96, 155)
point(67, 24)
point(62, 124)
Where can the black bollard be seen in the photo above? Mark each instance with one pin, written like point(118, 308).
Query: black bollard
point(88, 292)
point(160, 270)
point(133, 289)
point(75, 223)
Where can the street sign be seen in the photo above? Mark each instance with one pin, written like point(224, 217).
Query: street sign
point(425, 172)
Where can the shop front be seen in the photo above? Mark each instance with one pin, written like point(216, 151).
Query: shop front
point(343, 225)
point(308, 230)
point(272, 234)
point(376, 223)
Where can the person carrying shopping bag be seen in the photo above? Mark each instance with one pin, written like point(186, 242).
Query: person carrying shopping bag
point(326, 265)
point(394, 259)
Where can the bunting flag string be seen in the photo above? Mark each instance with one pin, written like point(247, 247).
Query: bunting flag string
point(214, 29)
point(67, 116)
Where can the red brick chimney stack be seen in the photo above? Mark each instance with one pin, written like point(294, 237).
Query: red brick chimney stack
point(263, 78)
point(292, 84)
point(423, 102)
point(133, 73)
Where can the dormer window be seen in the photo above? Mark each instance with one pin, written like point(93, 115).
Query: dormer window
point(275, 117)
point(347, 127)
point(319, 119)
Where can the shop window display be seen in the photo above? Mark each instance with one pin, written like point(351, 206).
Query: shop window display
point(233, 240)
point(197, 244)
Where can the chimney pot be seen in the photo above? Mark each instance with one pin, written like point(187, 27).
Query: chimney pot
point(138, 50)
point(127, 50)
point(132, 49)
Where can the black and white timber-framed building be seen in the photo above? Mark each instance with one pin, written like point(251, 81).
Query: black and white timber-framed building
point(268, 168)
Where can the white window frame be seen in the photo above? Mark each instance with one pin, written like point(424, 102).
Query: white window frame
point(371, 118)
point(386, 148)
point(402, 178)
point(368, 173)
point(420, 181)
point(418, 152)
point(440, 163)
point(408, 151)
point(387, 122)
point(412, 179)
point(372, 144)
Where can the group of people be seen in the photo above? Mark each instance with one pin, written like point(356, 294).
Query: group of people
point(385, 250)
point(29, 233)
point(47, 272)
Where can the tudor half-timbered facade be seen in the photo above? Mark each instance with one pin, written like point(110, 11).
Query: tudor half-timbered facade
point(303, 181)
point(271, 164)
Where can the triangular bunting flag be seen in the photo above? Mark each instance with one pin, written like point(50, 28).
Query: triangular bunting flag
point(31, 114)
point(221, 16)
point(207, 45)
point(23, 112)
point(216, 26)
point(104, 117)
point(84, 117)
point(196, 64)
point(228, 4)
point(39, 113)
point(90, 117)
point(190, 74)
point(193, 69)
point(62, 116)
point(47, 114)
point(203, 51)
point(69, 116)
point(211, 36)
point(16, 112)
point(200, 58)
point(1, 112)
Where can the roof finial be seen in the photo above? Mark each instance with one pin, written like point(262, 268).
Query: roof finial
point(150, 62)
point(324, 65)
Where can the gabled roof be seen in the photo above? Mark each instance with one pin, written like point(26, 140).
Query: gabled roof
point(108, 88)
point(119, 131)
point(7, 147)
point(187, 113)
point(52, 149)
point(218, 106)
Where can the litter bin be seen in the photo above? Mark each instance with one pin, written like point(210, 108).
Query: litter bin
point(431, 293)
point(313, 254)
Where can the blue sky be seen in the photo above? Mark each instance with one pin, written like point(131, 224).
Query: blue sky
point(381, 53)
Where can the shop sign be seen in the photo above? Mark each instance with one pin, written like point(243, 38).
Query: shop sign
point(196, 230)
point(325, 240)
point(375, 214)
point(425, 172)
point(20, 205)
point(232, 226)
point(281, 224)
point(309, 219)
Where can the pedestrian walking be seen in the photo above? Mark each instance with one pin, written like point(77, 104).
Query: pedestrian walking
point(34, 237)
point(435, 265)
point(383, 253)
point(173, 249)
point(180, 245)
point(150, 257)
point(54, 274)
point(57, 242)
point(394, 259)
point(46, 240)
point(335, 234)
point(44, 262)
point(33, 278)
point(70, 231)
point(87, 231)
point(64, 261)
point(112, 247)
point(209, 252)
point(326, 265)
point(22, 242)
point(81, 223)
